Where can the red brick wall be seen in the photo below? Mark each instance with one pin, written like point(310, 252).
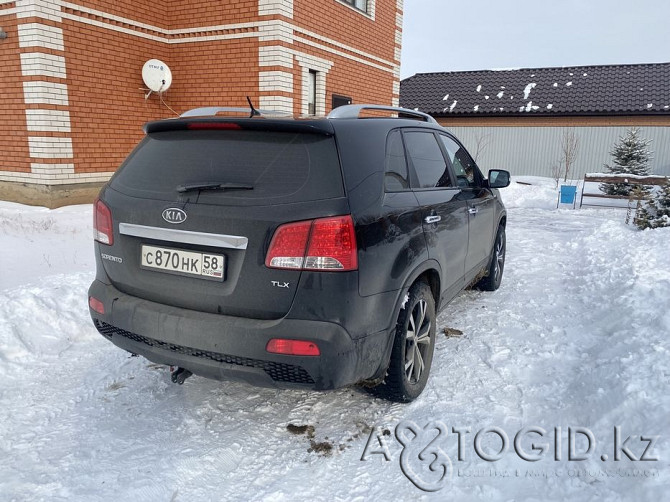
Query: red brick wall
point(339, 22)
point(107, 105)
point(210, 12)
point(221, 72)
point(105, 87)
point(154, 13)
point(14, 137)
point(332, 19)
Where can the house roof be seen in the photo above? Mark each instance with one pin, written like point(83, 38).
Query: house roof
point(578, 90)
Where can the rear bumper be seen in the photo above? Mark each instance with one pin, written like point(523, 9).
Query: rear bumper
point(233, 348)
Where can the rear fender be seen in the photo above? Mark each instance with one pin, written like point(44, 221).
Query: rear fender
point(430, 265)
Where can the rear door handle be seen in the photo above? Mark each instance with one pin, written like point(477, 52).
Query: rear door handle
point(432, 219)
point(473, 210)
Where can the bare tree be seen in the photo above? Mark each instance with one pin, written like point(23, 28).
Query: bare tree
point(482, 141)
point(569, 150)
point(556, 170)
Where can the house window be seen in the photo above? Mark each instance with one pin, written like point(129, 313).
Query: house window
point(311, 92)
point(359, 4)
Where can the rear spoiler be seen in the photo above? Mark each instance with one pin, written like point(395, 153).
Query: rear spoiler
point(316, 126)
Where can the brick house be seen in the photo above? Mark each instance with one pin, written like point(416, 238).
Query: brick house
point(73, 98)
point(514, 119)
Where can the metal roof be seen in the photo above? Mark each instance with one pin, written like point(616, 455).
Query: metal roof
point(638, 89)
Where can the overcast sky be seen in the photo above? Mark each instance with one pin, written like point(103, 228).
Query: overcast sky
point(455, 35)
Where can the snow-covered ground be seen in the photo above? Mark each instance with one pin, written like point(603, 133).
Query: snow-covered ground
point(578, 336)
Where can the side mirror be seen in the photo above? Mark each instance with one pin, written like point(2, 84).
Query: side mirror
point(498, 178)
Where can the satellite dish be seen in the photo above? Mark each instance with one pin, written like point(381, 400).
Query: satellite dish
point(156, 75)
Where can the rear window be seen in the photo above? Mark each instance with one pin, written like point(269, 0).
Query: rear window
point(282, 167)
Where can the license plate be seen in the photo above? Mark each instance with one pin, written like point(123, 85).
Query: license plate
point(180, 262)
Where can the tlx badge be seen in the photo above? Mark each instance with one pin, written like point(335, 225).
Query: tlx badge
point(278, 284)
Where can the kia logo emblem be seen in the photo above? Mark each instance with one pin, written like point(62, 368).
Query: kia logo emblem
point(174, 215)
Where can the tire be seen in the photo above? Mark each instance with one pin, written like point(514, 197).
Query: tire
point(495, 271)
point(413, 348)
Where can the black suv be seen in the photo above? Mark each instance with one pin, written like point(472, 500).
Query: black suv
point(282, 252)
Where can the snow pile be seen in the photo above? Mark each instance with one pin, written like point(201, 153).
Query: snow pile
point(48, 242)
point(577, 336)
point(530, 192)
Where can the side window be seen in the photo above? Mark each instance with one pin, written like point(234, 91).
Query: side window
point(467, 173)
point(396, 178)
point(427, 159)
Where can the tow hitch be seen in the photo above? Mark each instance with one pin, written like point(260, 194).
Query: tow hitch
point(179, 375)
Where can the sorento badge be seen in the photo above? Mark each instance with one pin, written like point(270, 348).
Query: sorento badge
point(174, 215)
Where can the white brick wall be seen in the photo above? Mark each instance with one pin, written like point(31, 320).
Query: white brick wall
point(275, 81)
point(398, 37)
point(57, 178)
point(45, 93)
point(277, 103)
point(47, 65)
point(276, 30)
point(275, 56)
point(275, 7)
point(48, 120)
point(45, 9)
point(50, 148)
point(40, 35)
point(51, 170)
point(322, 67)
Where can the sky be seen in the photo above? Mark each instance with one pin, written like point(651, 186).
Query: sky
point(457, 35)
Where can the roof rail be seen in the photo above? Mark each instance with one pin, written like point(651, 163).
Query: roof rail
point(353, 112)
point(210, 111)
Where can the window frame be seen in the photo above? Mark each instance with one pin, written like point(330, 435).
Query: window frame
point(410, 181)
point(369, 7)
point(312, 91)
point(478, 176)
point(414, 177)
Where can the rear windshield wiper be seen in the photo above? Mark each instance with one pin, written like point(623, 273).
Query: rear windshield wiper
point(213, 185)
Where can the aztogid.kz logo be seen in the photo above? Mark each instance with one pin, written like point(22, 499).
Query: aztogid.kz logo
point(425, 462)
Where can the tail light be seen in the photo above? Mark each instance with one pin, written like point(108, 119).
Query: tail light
point(322, 244)
point(96, 305)
point(103, 229)
point(225, 126)
point(292, 347)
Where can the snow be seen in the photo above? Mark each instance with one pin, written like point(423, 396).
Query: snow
point(501, 94)
point(476, 108)
point(650, 105)
point(577, 336)
point(445, 98)
point(529, 87)
point(555, 84)
point(550, 106)
point(479, 88)
point(621, 175)
point(453, 105)
point(529, 107)
point(568, 84)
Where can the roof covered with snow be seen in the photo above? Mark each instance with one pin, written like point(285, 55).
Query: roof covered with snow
point(578, 90)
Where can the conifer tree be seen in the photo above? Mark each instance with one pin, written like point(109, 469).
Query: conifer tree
point(630, 155)
point(656, 213)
